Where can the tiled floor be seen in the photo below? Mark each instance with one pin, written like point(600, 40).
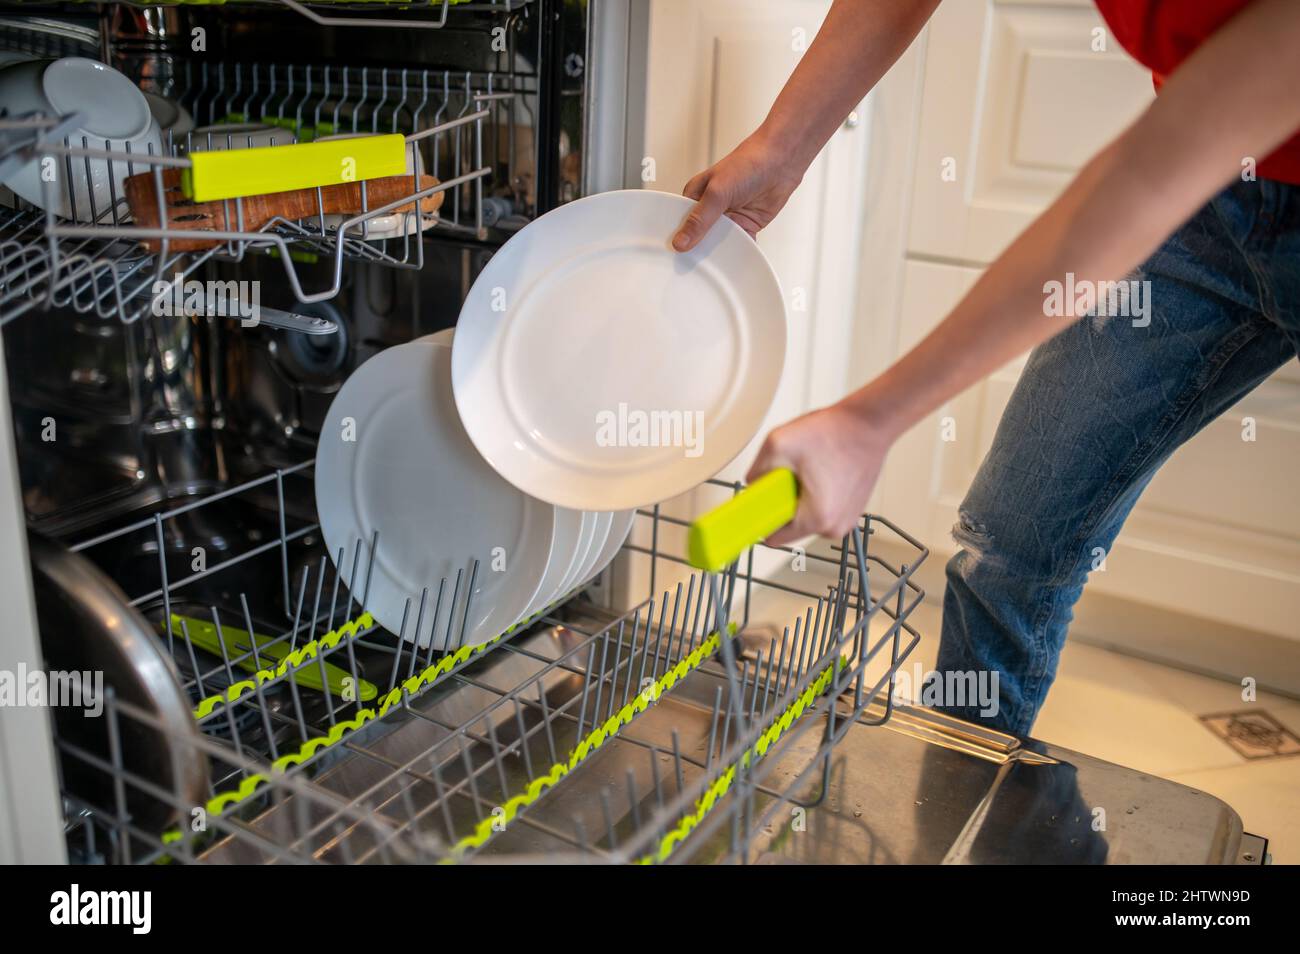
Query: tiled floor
point(1147, 716)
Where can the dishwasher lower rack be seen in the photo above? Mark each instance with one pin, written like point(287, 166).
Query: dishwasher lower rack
point(584, 735)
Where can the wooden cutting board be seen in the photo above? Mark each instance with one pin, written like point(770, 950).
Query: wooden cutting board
point(253, 212)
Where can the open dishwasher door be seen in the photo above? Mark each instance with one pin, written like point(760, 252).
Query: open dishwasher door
point(927, 788)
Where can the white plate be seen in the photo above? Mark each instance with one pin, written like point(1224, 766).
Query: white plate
point(586, 533)
point(412, 474)
point(600, 535)
point(620, 527)
point(586, 323)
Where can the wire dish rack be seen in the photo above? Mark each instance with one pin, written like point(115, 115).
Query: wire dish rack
point(674, 730)
point(460, 127)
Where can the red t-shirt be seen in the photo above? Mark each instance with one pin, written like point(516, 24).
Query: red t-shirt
point(1160, 34)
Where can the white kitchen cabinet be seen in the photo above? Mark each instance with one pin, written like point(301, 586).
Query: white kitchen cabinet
point(1015, 96)
point(713, 70)
point(1015, 101)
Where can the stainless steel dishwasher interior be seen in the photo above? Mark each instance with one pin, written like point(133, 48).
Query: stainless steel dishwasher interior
point(741, 717)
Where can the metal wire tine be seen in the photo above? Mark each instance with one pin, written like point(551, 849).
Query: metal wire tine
point(608, 814)
point(284, 536)
point(221, 644)
point(303, 733)
point(586, 688)
point(325, 683)
point(334, 591)
point(462, 744)
point(352, 577)
point(677, 604)
point(433, 625)
point(771, 662)
point(806, 620)
point(370, 566)
point(401, 642)
point(419, 622)
point(728, 659)
point(546, 722)
point(659, 638)
point(580, 836)
point(365, 94)
point(794, 649)
point(523, 738)
point(248, 625)
point(779, 661)
point(497, 758)
point(683, 649)
point(383, 98)
point(194, 662)
point(469, 600)
point(424, 101)
point(343, 98)
point(645, 650)
point(618, 659)
point(297, 613)
point(265, 713)
point(119, 769)
point(807, 651)
point(288, 92)
point(600, 682)
point(695, 620)
point(633, 803)
point(654, 777)
point(753, 696)
point(162, 573)
point(631, 657)
point(315, 611)
point(443, 802)
point(324, 98)
point(297, 115)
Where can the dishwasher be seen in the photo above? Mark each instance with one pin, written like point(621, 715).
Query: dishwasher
point(159, 512)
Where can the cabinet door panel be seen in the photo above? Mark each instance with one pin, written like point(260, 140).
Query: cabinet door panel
point(1016, 100)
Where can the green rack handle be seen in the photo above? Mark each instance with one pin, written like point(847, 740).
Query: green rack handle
point(234, 173)
point(728, 530)
point(203, 634)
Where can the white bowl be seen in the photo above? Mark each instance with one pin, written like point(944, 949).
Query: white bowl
point(172, 117)
point(114, 116)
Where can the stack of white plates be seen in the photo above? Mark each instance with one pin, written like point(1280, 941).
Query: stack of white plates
point(395, 468)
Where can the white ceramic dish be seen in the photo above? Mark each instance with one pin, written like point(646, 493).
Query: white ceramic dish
point(618, 373)
point(171, 117)
point(599, 537)
point(574, 530)
point(394, 225)
point(569, 562)
point(412, 474)
point(620, 527)
point(115, 115)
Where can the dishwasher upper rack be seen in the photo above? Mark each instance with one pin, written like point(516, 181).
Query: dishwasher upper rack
point(487, 770)
point(99, 267)
point(314, 10)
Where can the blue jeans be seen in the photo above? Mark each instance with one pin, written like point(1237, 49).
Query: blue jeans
point(1098, 410)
